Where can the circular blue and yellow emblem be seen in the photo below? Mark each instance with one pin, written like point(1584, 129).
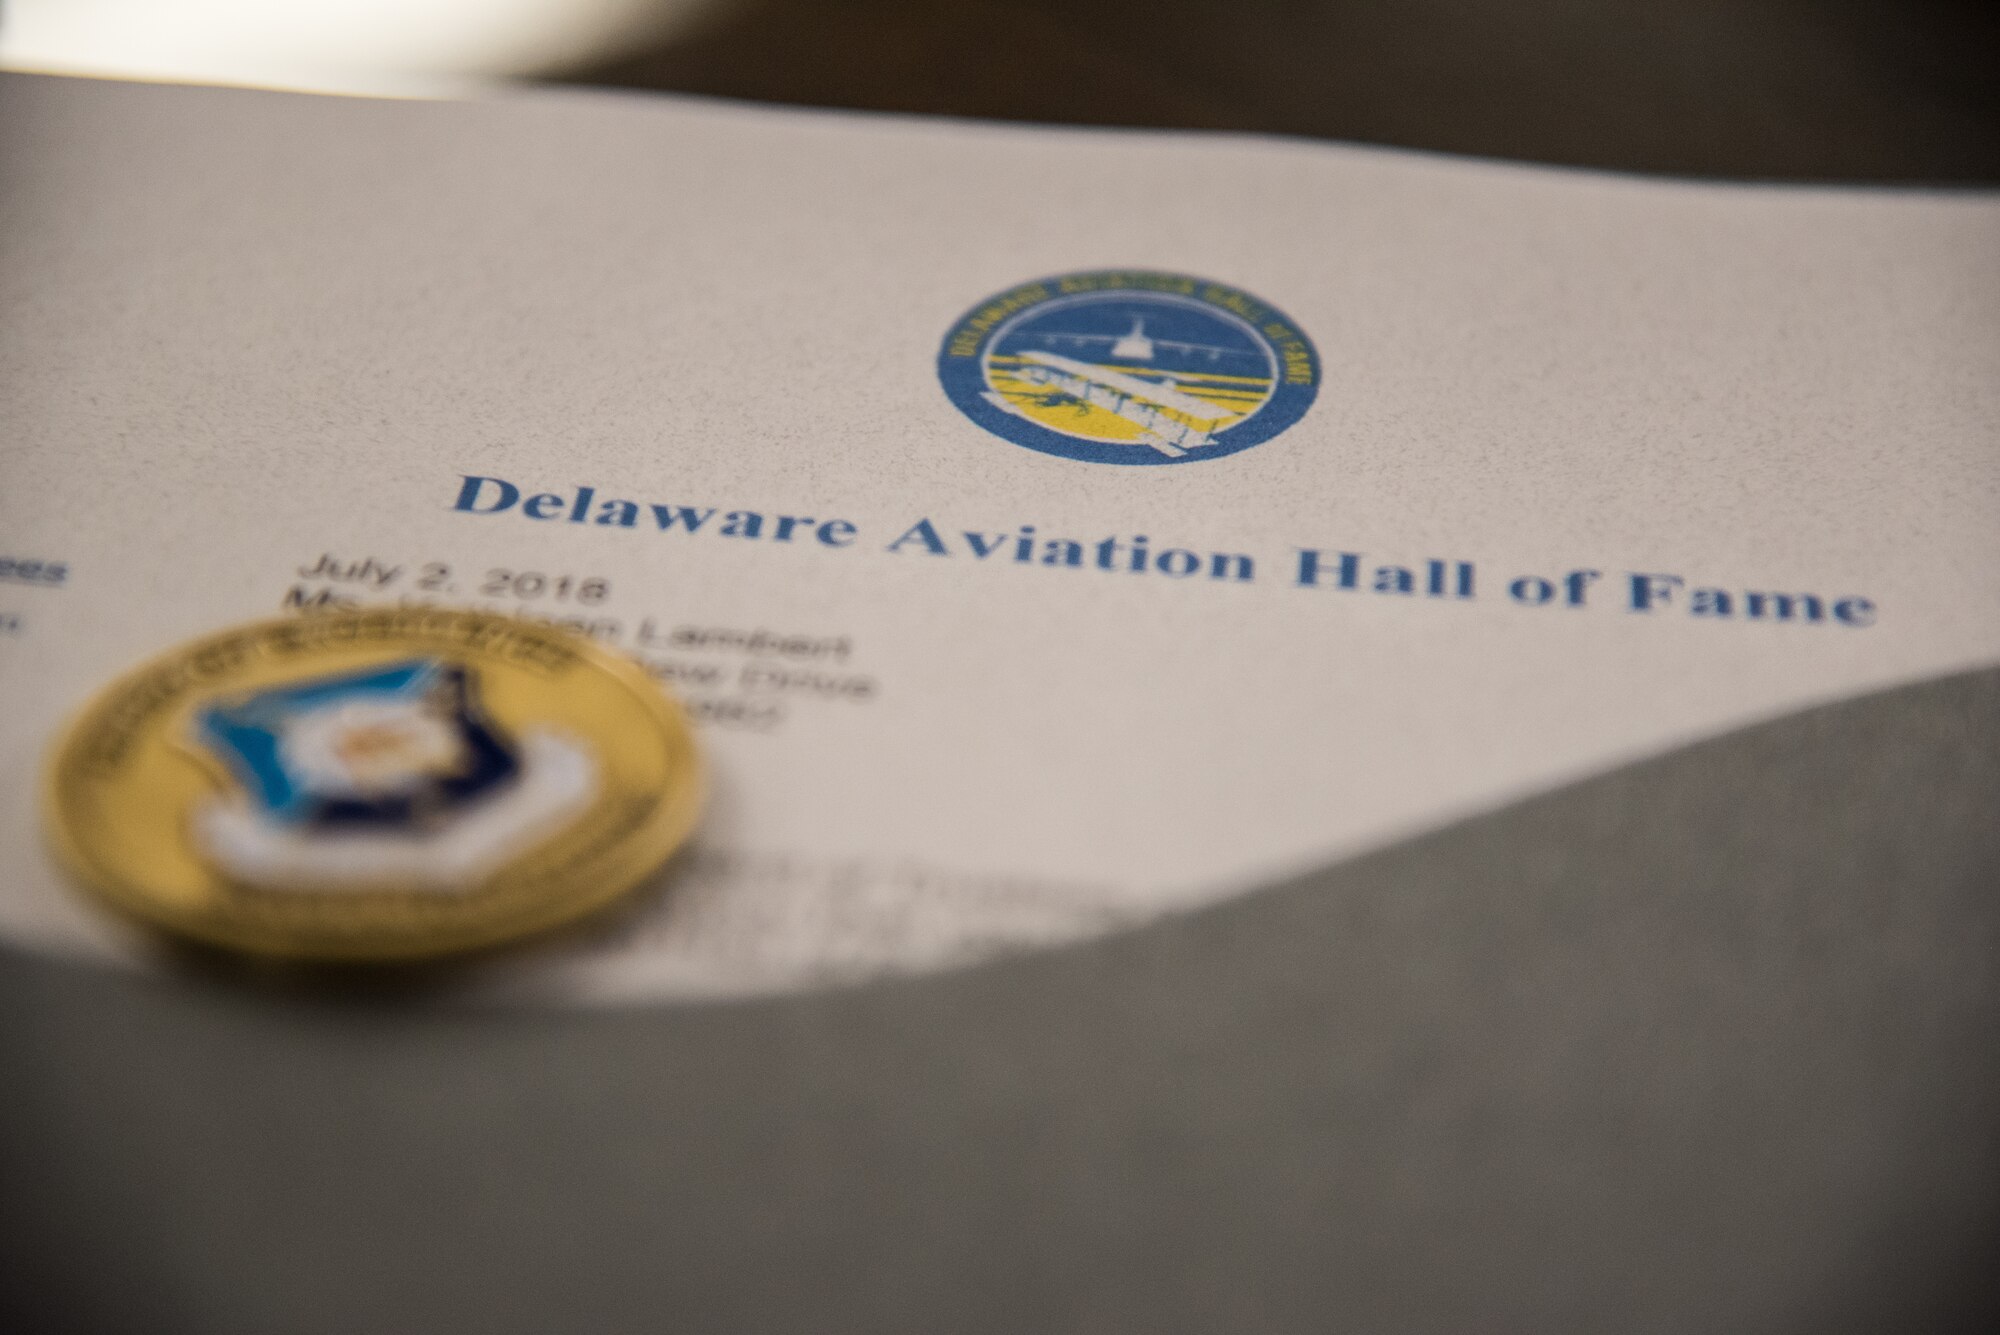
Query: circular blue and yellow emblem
point(1129, 366)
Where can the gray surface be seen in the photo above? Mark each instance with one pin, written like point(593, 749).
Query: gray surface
point(1706, 1044)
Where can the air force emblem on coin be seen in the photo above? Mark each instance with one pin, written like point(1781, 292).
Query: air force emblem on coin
point(1129, 367)
point(393, 772)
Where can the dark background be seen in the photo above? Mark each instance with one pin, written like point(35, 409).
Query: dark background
point(1865, 90)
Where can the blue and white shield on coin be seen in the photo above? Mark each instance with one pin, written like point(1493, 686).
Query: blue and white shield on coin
point(388, 774)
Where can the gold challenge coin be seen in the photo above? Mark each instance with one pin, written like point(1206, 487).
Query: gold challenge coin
point(375, 785)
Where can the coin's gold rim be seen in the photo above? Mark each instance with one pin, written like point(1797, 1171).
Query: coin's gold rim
point(611, 875)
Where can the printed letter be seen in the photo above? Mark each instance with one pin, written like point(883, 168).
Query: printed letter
point(1532, 590)
point(1394, 579)
point(1062, 552)
point(1709, 603)
point(983, 544)
point(1310, 565)
point(1650, 589)
point(468, 495)
point(1782, 605)
point(1222, 564)
point(625, 513)
point(923, 533)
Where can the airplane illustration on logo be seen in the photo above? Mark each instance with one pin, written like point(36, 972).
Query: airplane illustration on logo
point(1168, 420)
point(1137, 346)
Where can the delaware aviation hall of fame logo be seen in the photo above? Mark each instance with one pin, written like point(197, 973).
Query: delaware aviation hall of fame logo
point(1129, 367)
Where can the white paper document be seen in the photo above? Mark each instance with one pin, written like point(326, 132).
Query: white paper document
point(1048, 529)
